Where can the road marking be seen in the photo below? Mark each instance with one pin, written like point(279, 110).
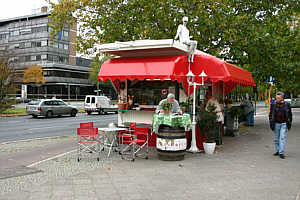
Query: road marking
point(42, 138)
point(51, 158)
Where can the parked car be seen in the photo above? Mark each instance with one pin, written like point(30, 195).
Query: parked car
point(50, 108)
point(100, 104)
point(295, 103)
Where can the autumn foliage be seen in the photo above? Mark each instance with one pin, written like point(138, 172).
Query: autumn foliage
point(34, 74)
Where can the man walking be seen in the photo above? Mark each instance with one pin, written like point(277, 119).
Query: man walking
point(280, 119)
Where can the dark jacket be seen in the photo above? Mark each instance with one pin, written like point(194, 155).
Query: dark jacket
point(288, 114)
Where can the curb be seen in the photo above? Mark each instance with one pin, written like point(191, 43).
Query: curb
point(12, 115)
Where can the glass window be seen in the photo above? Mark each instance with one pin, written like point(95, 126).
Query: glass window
point(38, 44)
point(16, 33)
point(60, 45)
point(88, 100)
point(66, 47)
point(27, 44)
point(38, 57)
point(27, 58)
point(22, 45)
point(55, 45)
point(33, 58)
point(93, 99)
point(66, 34)
point(44, 43)
point(153, 88)
point(50, 57)
point(44, 57)
point(55, 58)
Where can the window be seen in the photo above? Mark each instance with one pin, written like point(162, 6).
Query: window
point(16, 46)
point(27, 58)
point(55, 45)
point(44, 43)
point(55, 58)
point(33, 58)
point(25, 31)
point(27, 44)
point(46, 73)
point(22, 45)
point(3, 36)
point(36, 44)
point(66, 34)
point(39, 29)
point(93, 99)
point(66, 47)
point(60, 45)
point(38, 57)
point(44, 57)
point(14, 33)
point(50, 57)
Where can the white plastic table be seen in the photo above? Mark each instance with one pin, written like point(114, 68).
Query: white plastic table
point(107, 138)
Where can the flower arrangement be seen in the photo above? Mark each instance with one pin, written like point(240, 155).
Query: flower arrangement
point(166, 106)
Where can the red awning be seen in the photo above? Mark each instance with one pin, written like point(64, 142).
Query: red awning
point(142, 68)
point(175, 68)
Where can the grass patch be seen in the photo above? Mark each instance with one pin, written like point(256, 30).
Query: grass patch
point(14, 111)
point(81, 110)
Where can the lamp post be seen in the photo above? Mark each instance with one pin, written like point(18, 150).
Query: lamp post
point(190, 75)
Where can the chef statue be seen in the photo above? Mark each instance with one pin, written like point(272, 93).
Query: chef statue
point(184, 37)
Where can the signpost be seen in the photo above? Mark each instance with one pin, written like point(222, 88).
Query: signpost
point(271, 80)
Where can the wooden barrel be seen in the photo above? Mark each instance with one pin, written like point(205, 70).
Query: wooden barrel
point(170, 143)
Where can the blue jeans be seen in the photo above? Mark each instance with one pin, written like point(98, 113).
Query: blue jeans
point(250, 118)
point(280, 137)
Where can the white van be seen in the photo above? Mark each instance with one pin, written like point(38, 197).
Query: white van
point(100, 104)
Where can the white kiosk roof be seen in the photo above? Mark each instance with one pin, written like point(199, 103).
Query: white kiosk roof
point(145, 48)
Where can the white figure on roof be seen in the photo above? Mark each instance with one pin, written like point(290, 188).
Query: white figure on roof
point(184, 37)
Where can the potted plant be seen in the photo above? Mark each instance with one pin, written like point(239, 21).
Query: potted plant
point(207, 123)
point(184, 106)
point(166, 106)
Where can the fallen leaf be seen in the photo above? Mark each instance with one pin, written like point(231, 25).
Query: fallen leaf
point(109, 168)
point(180, 165)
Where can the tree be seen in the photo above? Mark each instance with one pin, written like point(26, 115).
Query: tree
point(256, 35)
point(34, 74)
point(98, 60)
point(7, 80)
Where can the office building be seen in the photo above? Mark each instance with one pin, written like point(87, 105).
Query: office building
point(26, 40)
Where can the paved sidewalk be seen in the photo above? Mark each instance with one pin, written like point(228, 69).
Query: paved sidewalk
point(244, 168)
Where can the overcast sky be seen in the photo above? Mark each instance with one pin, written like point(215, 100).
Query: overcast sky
point(15, 8)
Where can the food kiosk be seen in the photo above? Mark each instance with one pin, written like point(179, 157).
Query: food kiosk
point(145, 71)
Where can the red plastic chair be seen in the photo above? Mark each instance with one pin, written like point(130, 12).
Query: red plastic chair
point(88, 141)
point(138, 143)
point(87, 125)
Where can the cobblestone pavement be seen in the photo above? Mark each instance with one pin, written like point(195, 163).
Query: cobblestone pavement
point(243, 168)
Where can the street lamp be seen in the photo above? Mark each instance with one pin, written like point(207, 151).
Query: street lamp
point(192, 82)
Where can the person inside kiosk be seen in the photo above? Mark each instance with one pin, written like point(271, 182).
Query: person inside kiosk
point(170, 99)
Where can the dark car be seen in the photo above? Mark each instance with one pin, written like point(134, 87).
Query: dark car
point(50, 108)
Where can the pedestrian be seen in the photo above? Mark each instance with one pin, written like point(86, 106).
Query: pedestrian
point(248, 109)
point(280, 119)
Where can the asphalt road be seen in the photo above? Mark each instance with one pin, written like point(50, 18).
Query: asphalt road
point(26, 127)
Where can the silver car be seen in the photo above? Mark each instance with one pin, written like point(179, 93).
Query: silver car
point(50, 108)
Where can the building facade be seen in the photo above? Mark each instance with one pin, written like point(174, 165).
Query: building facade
point(26, 40)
